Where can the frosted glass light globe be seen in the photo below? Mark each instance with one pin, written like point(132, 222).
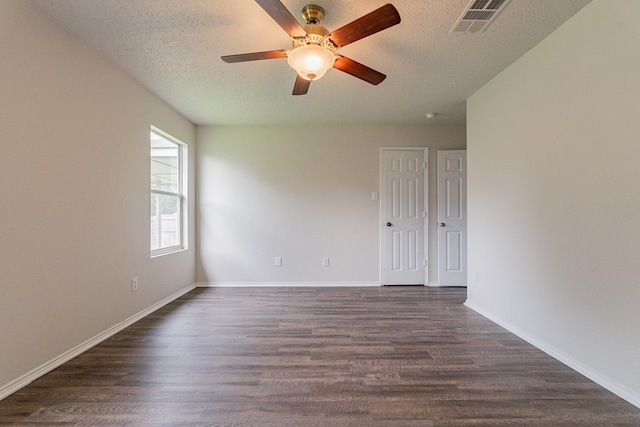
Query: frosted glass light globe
point(311, 61)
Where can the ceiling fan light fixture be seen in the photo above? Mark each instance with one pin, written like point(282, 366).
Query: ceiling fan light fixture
point(313, 46)
point(311, 61)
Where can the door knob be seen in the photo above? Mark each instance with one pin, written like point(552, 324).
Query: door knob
point(442, 224)
point(389, 224)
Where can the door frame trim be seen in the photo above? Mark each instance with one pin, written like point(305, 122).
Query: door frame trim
point(425, 224)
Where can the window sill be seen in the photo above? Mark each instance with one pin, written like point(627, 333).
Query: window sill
point(167, 251)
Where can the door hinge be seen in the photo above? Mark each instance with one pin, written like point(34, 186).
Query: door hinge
point(424, 165)
point(424, 214)
point(424, 262)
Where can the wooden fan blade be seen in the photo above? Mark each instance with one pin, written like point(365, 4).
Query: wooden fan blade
point(283, 17)
point(255, 56)
point(301, 87)
point(358, 70)
point(378, 20)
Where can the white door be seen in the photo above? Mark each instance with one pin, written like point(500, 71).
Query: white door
point(403, 216)
point(452, 217)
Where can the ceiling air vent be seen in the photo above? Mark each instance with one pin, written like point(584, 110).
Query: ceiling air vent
point(478, 15)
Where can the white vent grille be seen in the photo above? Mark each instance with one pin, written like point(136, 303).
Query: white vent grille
point(478, 15)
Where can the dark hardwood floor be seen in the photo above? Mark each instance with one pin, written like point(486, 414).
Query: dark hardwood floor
point(316, 357)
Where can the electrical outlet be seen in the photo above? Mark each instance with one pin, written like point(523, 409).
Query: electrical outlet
point(325, 262)
point(278, 261)
point(134, 284)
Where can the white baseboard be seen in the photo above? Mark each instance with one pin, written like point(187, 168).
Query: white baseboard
point(49, 366)
point(611, 385)
point(285, 284)
point(438, 285)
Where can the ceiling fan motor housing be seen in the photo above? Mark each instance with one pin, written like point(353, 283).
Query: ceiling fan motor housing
point(316, 34)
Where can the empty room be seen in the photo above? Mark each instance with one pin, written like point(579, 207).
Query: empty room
point(264, 212)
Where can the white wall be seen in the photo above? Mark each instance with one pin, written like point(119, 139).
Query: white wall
point(554, 195)
point(74, 205)
point(300, 193)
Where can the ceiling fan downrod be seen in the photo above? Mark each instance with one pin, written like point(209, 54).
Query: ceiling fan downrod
point(313, 14)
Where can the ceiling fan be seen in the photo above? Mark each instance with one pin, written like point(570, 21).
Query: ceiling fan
point(314, 47)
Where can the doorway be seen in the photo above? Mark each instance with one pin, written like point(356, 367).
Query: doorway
point(404, 216)
point(452, 218)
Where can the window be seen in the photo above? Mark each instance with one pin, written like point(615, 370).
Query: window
point(168, 168)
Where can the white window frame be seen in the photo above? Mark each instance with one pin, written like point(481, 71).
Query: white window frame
point(180, 194)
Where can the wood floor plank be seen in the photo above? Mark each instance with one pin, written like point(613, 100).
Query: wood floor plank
point(315, 357)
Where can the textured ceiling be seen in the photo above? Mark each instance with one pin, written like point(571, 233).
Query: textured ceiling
point(173, 47)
